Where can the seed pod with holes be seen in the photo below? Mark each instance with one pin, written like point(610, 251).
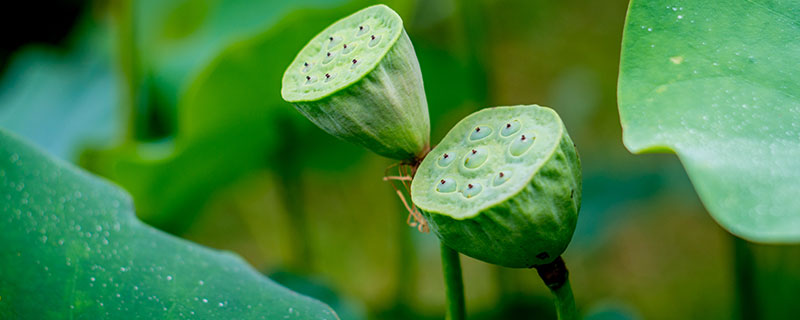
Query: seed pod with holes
point(359, 80)
point(504, 186)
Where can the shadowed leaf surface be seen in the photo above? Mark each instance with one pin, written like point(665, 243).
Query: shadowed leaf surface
point(74, 249)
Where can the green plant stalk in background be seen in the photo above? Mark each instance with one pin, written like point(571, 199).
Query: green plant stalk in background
point(454, 284)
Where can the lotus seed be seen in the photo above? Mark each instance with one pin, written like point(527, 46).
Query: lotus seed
point(446, 185)
point(362, 30)
point(347, 49)
point(501, 178)
point(510, 128)
point(480, 132)
point(374, 41)
point(476, 158)
point(445, 160)
point(328, 58)
point(472, 189)
point(521, 145)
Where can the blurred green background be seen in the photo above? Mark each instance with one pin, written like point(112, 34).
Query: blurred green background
point(178, 102)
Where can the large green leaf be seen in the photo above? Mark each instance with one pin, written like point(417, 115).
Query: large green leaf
point(72, 247)
point(717, 82)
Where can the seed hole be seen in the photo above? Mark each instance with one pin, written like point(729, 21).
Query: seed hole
point(333, 41)
point(521, 145)
point(480, 132)
point(472, 190)
point(476, 158)
point(510, 128)
point(362, 30)
point(328, 57)
point(445, 160)
point(501, 178)
point(374, 40)
point(347, 49)
point(446, 185)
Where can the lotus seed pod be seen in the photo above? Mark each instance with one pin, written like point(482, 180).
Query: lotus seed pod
point(359, 80)
point(504, 186)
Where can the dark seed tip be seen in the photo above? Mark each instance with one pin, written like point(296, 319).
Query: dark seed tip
point(308, 77)
point(442, 181)
point(501, 174)
point(305, 64)
point(355, 61)
point(360, 27)
point(446, 155)
point(372, 37)
point(478, 129)
point(327, 75)
point(331, 38)
point(329, 54)
point(345, 46)
point(508, 125)
point(523, 137)
point(474, 151)
point(469, 186)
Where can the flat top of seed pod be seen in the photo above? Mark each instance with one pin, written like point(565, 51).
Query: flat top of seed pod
point(488, 157)
point(341, 54)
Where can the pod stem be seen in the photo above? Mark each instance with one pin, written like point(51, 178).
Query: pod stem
point(556, 277)
point(454, 285)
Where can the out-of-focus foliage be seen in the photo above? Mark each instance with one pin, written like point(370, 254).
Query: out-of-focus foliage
point(711, 81)
point(212, 154)
point(63, 101)
point(74, 248)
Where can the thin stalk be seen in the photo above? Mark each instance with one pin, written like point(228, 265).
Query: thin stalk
point(454, 285)
point(556, 277)
point(745, 272)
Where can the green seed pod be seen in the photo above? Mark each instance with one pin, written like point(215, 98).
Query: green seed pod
point(359, 80)
point(504, 186)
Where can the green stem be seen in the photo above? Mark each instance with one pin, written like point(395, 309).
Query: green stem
point(556, 277)
point(745, 270)
point(454, 285)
